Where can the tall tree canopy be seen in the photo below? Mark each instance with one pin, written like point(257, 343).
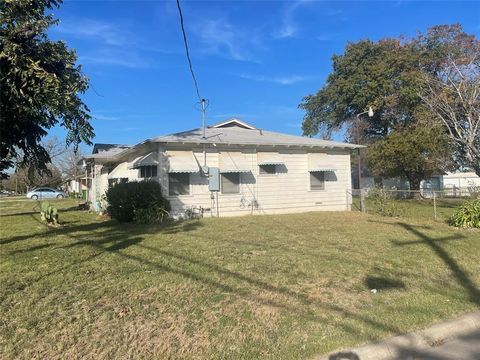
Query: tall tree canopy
point(40, 84)
point(389, 75)
point(383, 75)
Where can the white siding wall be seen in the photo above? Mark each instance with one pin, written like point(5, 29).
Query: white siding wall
point(287, 191)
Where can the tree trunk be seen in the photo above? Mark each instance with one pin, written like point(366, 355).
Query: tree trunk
point(414, 187)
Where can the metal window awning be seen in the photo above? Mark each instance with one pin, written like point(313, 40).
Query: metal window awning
point(145, 160)
point(182, 162)
point(323, 169)
point(269, 158)
point(318, 163)
point(233, 162)
point(120, 171)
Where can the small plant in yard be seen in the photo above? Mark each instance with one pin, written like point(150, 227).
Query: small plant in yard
point(382, 203)
point(467, 215)
point(137, 201)
point(48, 213)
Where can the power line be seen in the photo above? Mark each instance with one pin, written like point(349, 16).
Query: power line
point(188, 52)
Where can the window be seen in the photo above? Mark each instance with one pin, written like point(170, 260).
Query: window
point(268, 169)
point(231, 183)
point(148, 171)
point(179, 184)
point(317, 180)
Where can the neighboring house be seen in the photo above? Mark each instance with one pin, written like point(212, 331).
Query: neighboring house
point(81, 184)
point(450, 184)
point(458, 183)
point(232, 169)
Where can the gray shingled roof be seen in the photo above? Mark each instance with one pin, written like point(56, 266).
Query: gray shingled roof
point(226, 134)
point(241, 136)
point(108, 154)
point(98, 147)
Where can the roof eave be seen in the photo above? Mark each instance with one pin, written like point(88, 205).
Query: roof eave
point(201, 142)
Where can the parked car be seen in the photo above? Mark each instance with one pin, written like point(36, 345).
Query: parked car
point(45, 193)
point(7, 193)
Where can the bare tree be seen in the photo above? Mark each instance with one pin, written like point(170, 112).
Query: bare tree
point(68, 162)
point(453, 95)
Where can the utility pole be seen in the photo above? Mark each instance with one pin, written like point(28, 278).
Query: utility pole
point(359, 157)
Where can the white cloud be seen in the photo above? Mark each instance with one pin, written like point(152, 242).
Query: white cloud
point(289, 27)
point(281, 80)
point(107, 33)
point(220, 37)
point(110, 43)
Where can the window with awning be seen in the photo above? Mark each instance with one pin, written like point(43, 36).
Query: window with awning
point(269, 158)
point(150, 159)
point(268, 162)
point(182, 162)
point(318, 162)
point(233, 162)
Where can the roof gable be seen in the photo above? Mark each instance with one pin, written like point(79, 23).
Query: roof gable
point(233, 123)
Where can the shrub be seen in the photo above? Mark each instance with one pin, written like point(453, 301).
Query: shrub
point(151, 215)
point(467, 215)
point(48, 213)
point(383, 203)
point(127, 199)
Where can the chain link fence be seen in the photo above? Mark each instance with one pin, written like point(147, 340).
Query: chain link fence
point(425, 203)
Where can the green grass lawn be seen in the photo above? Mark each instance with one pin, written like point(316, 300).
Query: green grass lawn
point(417, 208)
point(279, 287)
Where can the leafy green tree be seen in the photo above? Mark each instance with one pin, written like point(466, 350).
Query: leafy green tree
point(389, 75)
point(384, 75)
point(415, 152)
point(40, 85)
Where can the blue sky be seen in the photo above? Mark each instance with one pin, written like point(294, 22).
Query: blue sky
point(254, 60)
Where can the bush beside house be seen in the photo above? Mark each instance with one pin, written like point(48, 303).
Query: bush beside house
point(141, 202)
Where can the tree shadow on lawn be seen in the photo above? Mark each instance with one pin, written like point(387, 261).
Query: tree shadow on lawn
point(115, 238)
point(104, 226)
point(118, 237)
point(36, 210)
point(460, 275)
point(383, 283)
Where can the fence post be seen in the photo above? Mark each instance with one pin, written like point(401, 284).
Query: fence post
point(434, 205)
point(363, 208)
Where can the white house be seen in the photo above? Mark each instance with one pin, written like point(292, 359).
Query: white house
point(232, 168)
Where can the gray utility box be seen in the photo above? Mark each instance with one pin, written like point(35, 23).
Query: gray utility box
point(214, 179)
